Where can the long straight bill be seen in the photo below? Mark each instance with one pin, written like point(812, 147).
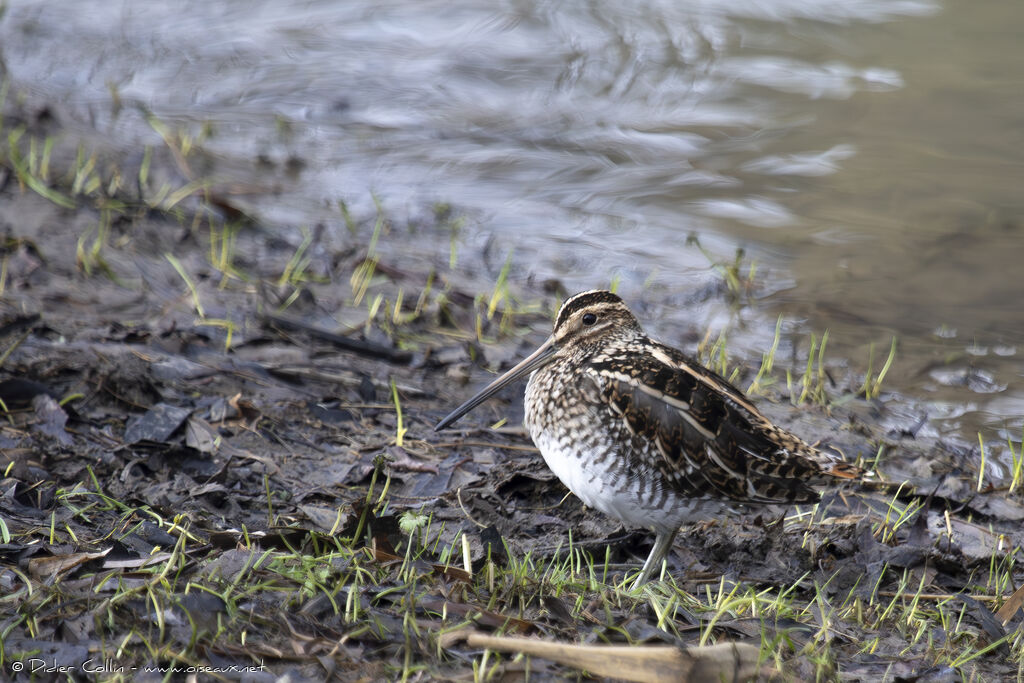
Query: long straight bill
point(540, 357)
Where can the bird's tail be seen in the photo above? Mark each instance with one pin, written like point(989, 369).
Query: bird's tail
point(840, 469)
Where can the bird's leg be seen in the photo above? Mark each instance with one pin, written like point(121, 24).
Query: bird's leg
point(662, 544)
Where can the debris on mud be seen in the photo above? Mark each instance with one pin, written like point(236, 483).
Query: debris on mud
point(219, 457)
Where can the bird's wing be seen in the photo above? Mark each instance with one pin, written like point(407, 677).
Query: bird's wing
point(705, 437)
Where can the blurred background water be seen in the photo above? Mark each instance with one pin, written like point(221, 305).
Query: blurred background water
point(867, 155)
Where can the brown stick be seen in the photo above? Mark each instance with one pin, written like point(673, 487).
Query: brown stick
point(722, 662)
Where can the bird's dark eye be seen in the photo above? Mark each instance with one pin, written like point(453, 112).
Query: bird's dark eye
point(589, 318)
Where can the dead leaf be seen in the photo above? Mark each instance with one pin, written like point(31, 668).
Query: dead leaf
point(157, 424)
point(250, 413)
point(326, 519)
point(212, 487)
point(200, 435)
point(1010, 607)
point(481, 616)
point(973, 540)
point(49, 567)
point(137, 562)
point(558, 609)
point(52, 418)
point(402, 462)
point(988, 622)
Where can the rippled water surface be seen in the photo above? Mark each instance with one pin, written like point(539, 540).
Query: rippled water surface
point(867, 155)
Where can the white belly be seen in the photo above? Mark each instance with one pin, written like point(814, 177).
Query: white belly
point(586, 454)
point(595, 482)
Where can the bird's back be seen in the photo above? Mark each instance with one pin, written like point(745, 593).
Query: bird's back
point(638, 420)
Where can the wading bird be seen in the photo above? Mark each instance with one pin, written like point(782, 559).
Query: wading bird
point(645, 434)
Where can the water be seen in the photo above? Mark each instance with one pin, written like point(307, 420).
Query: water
point(867, 155)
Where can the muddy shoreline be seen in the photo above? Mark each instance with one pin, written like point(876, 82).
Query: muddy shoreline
point(218, 452)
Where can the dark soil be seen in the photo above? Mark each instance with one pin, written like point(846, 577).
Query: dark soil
point(138, 433)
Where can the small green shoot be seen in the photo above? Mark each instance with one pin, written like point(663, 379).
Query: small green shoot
point(500, 292)
point(737, 284)
point(196, 303)
point(361, 278)
point(6, 412)
point(229, 327)
point(613, 286)
point(1016, 462)
point(346, 216)
point(223, 238)
point(184, 192)
point(23, 170)
point(411, 521)
point(89, 253)
point(814, 379)
point(400, 428)
point(294, 271)
point(716, 356)
point(873, 386)
point(757, 386)
point(86, 180)
point(981, 467)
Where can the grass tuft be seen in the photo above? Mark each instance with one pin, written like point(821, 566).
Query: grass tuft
point(873, 385)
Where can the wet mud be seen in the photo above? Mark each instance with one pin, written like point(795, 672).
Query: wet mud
point(283, 421)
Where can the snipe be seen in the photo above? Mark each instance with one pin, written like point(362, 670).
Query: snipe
point(643, 433)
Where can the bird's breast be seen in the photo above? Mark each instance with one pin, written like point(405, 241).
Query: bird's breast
point(590, 449)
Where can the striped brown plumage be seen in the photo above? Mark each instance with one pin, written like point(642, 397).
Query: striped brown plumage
point(645, 434)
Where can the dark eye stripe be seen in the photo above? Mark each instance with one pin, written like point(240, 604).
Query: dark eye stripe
point(585, 300)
